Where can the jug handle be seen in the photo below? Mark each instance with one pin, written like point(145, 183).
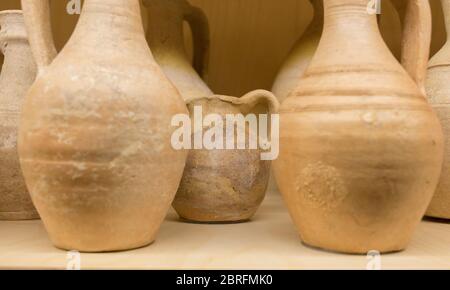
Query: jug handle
point(416, 41)
point(200, 33)
point(37, 20)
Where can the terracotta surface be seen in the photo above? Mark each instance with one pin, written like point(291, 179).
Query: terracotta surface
point(95, 131)
point(18, 73)
point(438, 92)
point(360, 150)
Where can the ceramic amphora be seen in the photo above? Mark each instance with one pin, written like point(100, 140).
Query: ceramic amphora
point(360, 148)
point(95, 137)
point(18, 73)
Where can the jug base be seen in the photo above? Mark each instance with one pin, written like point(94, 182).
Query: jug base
point(212, 222)
point(105, 250)
point(352, 250)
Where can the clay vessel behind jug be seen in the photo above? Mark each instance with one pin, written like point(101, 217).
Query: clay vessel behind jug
point(18, 73)
point(438, 92)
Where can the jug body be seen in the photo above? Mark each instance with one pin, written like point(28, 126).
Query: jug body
point(18, 73)
point(95, 133)
point(360, 148)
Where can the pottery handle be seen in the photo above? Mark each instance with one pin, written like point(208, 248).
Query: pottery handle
point(38, 23)
point(417, 25)
point(251, 99)
point(200, 33)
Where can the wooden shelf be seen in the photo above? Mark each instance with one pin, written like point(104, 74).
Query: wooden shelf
point(269, 241)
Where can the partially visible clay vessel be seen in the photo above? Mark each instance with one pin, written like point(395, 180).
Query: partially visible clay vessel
point(300, 56)
point(165, 36)
point(95, 135)
point(360, 148)
point(438, 92)
point(18, 73)
point(218, 185)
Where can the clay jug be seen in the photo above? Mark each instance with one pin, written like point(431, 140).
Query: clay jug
point(300, 56)
point(165, 36)
point(18, 73)
point(438, 92)
point(360, 148)
point(95, 136)
point(224, 185)
point(218, 185)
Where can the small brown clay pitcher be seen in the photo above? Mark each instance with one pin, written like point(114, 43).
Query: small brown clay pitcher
point(360, 148)
point(438, 92)
point(95, 137)
point(229, 184)
point(18, 73)
point(165, 36)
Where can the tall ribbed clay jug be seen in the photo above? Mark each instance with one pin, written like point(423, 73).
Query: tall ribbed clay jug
point(360, 148)
point(218, 185)
point(438, 92)
point(18, 73)
point(95, 136)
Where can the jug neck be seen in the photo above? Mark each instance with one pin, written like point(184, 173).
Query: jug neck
point(349, 14)
point(350, 30)
point(111, 25)
point(165, 32)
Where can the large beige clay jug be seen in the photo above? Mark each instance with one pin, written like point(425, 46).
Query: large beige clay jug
point(18, 73)
point(360, 148)
point(218, 185)
point(438, 92)
point(95, 136)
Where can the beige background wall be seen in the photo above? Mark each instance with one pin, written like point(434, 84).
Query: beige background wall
point(250, 38)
